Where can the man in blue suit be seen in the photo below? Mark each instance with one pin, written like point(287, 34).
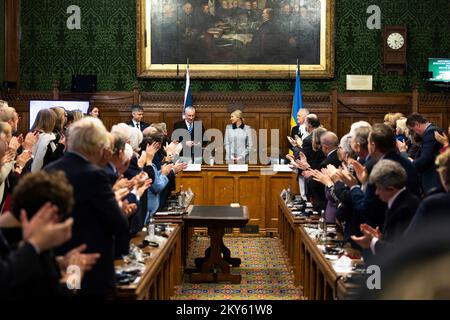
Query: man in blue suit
point(98, 219)
point(428, 151)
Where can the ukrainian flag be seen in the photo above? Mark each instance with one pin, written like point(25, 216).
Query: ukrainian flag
point(298, 101)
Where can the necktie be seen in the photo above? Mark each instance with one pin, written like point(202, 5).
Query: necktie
point(137, 125)
point(190, 128)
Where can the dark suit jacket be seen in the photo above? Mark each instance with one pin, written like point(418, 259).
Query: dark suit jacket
point(316, 189)
point(432, 209)
point(412, 183)
point(332, 159)
point(194, 136)
point(294, 132)
point(399, 216)
point(142, 124)
point(98, 220)
point(397, 220)
point(41, 277)
point(367, 207)
point(424, 161)
point(18, 267)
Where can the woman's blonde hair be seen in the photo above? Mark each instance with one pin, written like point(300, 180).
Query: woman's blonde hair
point(401, 125)
point(45, 121)
point(60, 118)
point(443, 167)
point(391, 119)
point(238, 114)
point(5, 130)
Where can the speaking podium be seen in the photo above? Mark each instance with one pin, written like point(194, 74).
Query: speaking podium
point(215, 266)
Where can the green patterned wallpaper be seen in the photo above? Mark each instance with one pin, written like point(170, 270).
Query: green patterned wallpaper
point(105, 46)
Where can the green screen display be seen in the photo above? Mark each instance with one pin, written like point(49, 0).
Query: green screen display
point(440, 69)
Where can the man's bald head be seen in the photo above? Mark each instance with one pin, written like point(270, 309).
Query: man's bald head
point(329, 142)
point(329, 139)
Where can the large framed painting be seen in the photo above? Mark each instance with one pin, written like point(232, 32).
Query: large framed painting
point(235, 38)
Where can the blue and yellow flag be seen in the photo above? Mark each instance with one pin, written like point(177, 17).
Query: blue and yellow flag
point(298, 101)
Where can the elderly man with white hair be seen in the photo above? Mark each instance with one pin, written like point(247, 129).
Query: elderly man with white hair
point(98, 219)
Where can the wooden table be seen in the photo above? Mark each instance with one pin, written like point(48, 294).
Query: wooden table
point(288, 233)
point(186, 233)
point(257, 189)
point(312, 271)
point(214, 267)
point(163, 270)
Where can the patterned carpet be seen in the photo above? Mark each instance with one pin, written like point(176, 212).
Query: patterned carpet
point(266, 274)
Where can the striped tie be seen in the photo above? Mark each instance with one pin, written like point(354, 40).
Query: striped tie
point(190, 128)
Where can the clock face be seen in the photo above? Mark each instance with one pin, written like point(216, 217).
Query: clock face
point(395, 41)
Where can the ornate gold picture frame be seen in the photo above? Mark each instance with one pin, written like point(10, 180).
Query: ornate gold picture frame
point(251, 39)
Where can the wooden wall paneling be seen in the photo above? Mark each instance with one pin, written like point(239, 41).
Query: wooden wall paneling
point(325, 120)
point(436, 107)
point(273, 121)
point(251, 119)
point(436, 118)
point(205, 118)
point(344, 124)
point(170, 118)
point(274, 184)
point(12, 41)
point(220, 120)
point(221, 189)
point(198, 184)
point(255, 204)
point(153, 117)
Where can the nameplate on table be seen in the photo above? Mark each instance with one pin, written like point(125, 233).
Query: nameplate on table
point(281, 168)
point(238, 167)
point(193, 167)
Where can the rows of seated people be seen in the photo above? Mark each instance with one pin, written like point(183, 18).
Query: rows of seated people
point(74, 194)
point(382, 183)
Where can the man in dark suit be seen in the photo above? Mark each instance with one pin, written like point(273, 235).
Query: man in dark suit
point(300, 129)
point(389, 177)
point(429, 149)
point(382, 145)
point(190, 133)
point(329, 143)
point(434, 207)
point(98, 220)
point(137, 114)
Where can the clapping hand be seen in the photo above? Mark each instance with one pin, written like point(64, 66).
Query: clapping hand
point(291, 141)
point(302, 164)
point(441, 138)
point(85, 261)
point(368, 234)
point(128, 208)
point(345, 176)
point(178, 166)
point(360, 170)
point(14, 143)
point(298, 141)
point(42, 231)
point(30, 140)
point(322, 177)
